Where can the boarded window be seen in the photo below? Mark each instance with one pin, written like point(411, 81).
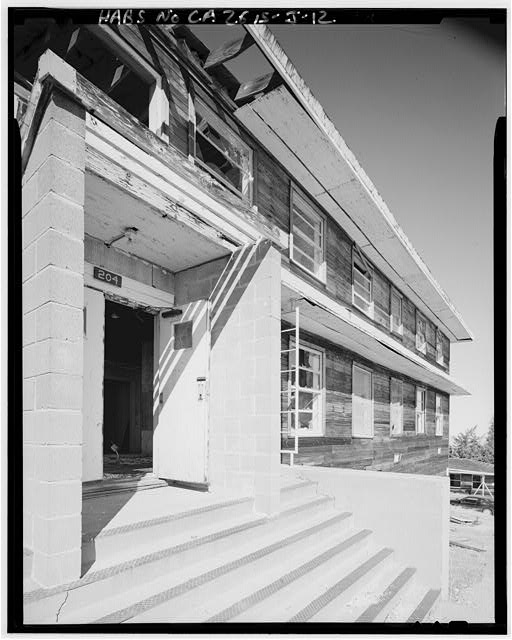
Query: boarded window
point(396, 313)
point(219, 149)
point(307, 238)
point(183, 335)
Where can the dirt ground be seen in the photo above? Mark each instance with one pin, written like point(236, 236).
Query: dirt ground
point(471, 595)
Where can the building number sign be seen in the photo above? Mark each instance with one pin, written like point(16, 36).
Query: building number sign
point(107, 276)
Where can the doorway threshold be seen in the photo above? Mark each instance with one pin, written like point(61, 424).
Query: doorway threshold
point(96, 488)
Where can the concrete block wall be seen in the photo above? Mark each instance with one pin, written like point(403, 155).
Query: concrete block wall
point(244, 436)
point(53, 299)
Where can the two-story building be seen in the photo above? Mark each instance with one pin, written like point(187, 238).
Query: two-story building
point(210, 280)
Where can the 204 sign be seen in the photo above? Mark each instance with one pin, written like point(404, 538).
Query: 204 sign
point(107, 276)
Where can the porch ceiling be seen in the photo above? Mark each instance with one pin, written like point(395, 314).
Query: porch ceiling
point(160, 239)
point(385, 352)
point(323, 164)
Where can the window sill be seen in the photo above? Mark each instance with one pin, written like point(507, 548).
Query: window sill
point(315, 278)
point(365, 437)
point(369, 314)
point(222, 181)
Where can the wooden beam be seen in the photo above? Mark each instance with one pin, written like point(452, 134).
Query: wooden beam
point(249, 89)
point(228, 51)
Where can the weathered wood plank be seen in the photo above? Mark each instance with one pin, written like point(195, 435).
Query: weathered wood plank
point(228, 51)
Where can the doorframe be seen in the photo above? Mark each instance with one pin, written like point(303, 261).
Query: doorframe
point(367, 370)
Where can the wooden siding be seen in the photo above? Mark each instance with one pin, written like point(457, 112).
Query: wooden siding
point(271, 185)
point(381, 300)
point(338, 255)
point(338, 448)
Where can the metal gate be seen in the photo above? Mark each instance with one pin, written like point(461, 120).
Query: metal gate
point(290, 392)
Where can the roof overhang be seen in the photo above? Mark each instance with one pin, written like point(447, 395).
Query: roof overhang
point(342, 327)
point(290, 122)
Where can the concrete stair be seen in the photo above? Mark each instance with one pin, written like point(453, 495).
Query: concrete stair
point(222, 562)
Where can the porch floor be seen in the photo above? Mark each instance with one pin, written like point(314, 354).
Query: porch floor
point(127, 466)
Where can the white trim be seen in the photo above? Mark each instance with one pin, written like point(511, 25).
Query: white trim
point(361, 367)
point(437, 378)
point(132, 290)
point(308, 346)
point(114, 146)
point(423, 413)
point(315, 212)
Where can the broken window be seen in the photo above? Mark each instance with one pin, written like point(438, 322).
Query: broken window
point(93, 57)
point(307, 237)
point(439, 347)
point(219, 149)
point(362, 289)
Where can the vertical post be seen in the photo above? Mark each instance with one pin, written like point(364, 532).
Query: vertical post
point(53, 343)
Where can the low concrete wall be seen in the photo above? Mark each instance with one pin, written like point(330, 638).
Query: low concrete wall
point(409, 513)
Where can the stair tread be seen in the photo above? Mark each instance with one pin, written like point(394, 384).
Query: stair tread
point(319, 603)
point(270, 541)
point(425, 605)
point(392, 590)
point(404, 608)
point(266, 603)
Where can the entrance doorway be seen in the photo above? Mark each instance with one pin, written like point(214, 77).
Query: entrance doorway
point(127, 391)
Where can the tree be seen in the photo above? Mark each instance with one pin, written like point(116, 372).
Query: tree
point(488, 446)
point(467, 445)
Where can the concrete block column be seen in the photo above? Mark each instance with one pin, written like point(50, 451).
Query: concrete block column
point(244, 406)
point(53, 300)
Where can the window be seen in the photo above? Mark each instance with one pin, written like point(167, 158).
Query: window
point(362, 287)
point(222, 152)
point(307, 236)
point(396, 312)
point(362, 402)
point(311, 392)
point(439, 416)
point(420, 410)
point(396, 407)
point(455, 480)
point(439, 347)
point(421, 333)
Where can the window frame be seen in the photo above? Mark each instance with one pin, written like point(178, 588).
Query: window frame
point(356, 365)
point(232, 137)
point(359, 262)
point(400, 330)
point(422, 348)
point(439, 415)
point(320, 431)
point(439, 343)
point(417, 412)
point(321, 276)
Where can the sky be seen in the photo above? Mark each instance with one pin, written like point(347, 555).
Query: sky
point(417, 105)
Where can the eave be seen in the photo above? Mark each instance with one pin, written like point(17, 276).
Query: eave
point(323, 316)
point(291, 123)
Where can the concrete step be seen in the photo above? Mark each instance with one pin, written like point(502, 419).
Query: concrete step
point(415, 606)
point(276, 535)
point(296, 489)
point(255, 579)
point(41, 604)
point(294, 589)
point(399, 588)
point(112, 541)
point(326, 607)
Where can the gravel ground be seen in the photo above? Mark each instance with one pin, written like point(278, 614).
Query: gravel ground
point(471, 595)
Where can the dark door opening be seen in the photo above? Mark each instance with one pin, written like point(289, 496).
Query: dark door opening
point(127, 391)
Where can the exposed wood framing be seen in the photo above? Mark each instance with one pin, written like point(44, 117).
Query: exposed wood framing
point(228, 51)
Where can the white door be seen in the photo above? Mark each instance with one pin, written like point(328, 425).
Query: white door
point(420, 410)
point(362, 405)
point(396, 413)
point(182, 400)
